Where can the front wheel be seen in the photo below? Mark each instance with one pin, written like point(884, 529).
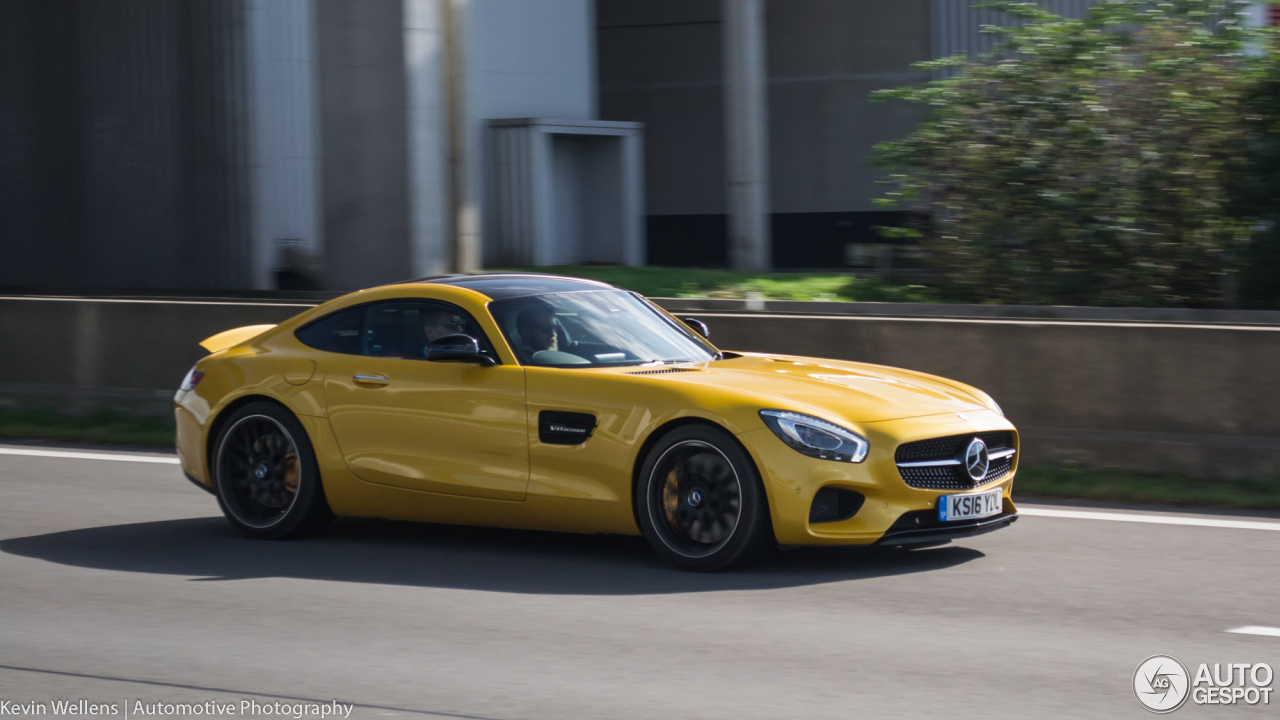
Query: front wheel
point(266, 476)
point(700, 501)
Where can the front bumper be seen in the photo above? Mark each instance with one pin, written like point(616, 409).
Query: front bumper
point(792, 480)
point(916, 531)
point(197, 483)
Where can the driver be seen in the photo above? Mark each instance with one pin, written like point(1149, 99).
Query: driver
point(537, 329)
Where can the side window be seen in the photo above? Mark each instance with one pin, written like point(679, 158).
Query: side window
point(403, 329)
point(338, 333)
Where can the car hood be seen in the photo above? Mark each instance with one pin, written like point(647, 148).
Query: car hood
point(857, 392)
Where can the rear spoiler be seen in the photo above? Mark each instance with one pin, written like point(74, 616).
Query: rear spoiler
point(235, 336)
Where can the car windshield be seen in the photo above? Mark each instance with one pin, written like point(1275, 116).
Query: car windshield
point(594, 329)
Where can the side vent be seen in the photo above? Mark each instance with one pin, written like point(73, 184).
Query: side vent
point(565, 428)
point(666, 371)
point(835, 504)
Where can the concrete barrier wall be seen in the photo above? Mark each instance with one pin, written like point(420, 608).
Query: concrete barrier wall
point(1192, 398)
point(1199, 400)
point(80, 354)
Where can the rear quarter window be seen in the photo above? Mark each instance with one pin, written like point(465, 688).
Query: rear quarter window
point(336, 333)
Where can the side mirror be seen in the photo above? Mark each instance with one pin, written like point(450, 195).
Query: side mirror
point(697, 326)
point(457, 348)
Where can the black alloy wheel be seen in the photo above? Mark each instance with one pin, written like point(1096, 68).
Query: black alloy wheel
point(700, 501)
point(266, 476)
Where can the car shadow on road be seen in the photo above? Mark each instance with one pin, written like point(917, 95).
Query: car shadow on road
point(446, 556)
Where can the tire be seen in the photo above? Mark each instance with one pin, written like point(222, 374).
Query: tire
point(265, 474)
point(700, 501)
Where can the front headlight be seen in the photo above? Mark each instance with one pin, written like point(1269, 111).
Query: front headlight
point(816, 437)
point(990, 402)
point(985, 399)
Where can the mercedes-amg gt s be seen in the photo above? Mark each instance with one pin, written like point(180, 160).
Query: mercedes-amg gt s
point(552, 403)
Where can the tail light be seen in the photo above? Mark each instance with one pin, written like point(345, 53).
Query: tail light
point(192, 379)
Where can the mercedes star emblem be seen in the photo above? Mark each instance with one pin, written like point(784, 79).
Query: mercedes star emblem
point(976, 460)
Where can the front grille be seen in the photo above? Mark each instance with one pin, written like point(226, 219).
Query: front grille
point(835, 504)
point(952, 477)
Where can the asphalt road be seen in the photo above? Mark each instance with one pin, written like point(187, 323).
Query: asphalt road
point(120, 581)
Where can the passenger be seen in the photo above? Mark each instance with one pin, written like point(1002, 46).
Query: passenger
point(537, 329)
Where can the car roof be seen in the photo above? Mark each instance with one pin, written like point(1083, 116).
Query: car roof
point(502, 286)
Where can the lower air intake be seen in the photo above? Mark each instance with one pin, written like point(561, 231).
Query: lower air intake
point(834, 504)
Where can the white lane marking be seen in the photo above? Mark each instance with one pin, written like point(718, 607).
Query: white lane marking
point(1154, 519)
point(1256, 630)
point(121, 457)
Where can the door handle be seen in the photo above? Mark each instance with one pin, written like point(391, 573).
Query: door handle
point(368, 379)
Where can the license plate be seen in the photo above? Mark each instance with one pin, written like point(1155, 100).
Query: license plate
point(970, 506)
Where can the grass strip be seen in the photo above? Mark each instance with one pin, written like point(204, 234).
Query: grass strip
point(104, 427)
point(1132, 488)
point(729, 285)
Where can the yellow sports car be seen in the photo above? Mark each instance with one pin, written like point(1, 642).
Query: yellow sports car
point(552, 403)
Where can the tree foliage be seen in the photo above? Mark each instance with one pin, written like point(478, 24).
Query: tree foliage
point(1091, 161)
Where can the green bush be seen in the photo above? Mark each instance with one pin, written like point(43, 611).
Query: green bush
point(1096, 161)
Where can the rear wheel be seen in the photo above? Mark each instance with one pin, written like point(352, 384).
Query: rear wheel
point(266, 476)
point(700, 501)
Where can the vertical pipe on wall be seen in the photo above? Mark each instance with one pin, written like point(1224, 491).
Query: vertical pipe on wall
point(633, 248)
point(746, 134)
point(283, 133)
point(466, 202)
point(429, 246)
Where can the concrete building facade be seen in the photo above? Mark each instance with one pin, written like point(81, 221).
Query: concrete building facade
point(663, 63)
point(123, 145)
point(213, 145)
